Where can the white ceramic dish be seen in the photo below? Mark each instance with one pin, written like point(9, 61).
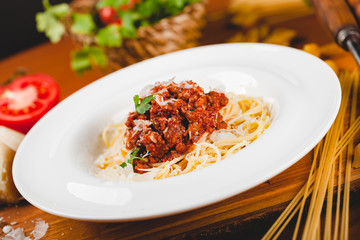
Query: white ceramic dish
point(51, 166)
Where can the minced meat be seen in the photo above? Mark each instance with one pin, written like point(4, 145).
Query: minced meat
point(179, 115)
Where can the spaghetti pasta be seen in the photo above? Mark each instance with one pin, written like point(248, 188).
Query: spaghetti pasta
point(246, 119)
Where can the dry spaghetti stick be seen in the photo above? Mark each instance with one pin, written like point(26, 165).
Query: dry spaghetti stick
point(284, 217)
point(279, 218)
point(350, 133)
point(331, 139)
point(328, 216)
point(330, 157)
point(314, 219)
point(337, 128)
point(337, 213)
point(344, 232)
point(356, 162)
point(356, 122)
point(291, 215)
point(317, 186)
point(308, 183)
point(338, 197)
point(284, 214)
point(353, 111)
point(329, 205)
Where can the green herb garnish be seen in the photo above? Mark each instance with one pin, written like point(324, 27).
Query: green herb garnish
point(83, 59)
point(123, 165)
point(109, 36)
point(144, 105)
point(128, 28)
point(83, 23)
point(49, 22)
point(111, 3)
point(133, 156)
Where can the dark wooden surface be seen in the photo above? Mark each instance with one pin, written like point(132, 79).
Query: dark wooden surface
point(245, 216)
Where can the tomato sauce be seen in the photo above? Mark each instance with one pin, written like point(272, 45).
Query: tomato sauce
point(179, 115)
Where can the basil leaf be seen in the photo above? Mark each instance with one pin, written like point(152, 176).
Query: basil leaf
point(136, 100)
point(144, 106)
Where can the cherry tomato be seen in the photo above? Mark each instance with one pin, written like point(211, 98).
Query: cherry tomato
point(25, 100)
point(117, 22)
point(107, 14)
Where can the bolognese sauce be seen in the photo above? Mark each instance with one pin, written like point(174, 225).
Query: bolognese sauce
point(178, 116)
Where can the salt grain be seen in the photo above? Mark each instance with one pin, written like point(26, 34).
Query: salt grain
point(18, 234)
point(6, 229)
point(15, 234)
point(40, 229)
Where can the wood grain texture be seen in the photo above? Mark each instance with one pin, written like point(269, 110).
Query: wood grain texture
point(334, 14)
point(241, 211)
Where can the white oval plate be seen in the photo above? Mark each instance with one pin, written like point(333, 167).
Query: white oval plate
point(51, 166)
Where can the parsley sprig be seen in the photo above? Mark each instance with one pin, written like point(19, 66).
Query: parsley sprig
point(132, 157)
point(144, 105)
point(49, 21)
point(85, 57)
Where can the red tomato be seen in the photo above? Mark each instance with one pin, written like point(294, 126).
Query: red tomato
point(25, 100)
point(107, 14)
point(117, 22)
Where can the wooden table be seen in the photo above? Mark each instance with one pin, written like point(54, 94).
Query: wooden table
point(246, 216)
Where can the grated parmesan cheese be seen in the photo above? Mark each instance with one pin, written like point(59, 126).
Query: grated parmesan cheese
point(186, 85)
point(140, 124)
point(160, 100)
point(146, 91)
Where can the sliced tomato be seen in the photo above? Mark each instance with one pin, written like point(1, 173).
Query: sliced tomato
point(25, 100)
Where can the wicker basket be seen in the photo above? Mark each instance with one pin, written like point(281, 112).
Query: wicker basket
point(169, 34)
